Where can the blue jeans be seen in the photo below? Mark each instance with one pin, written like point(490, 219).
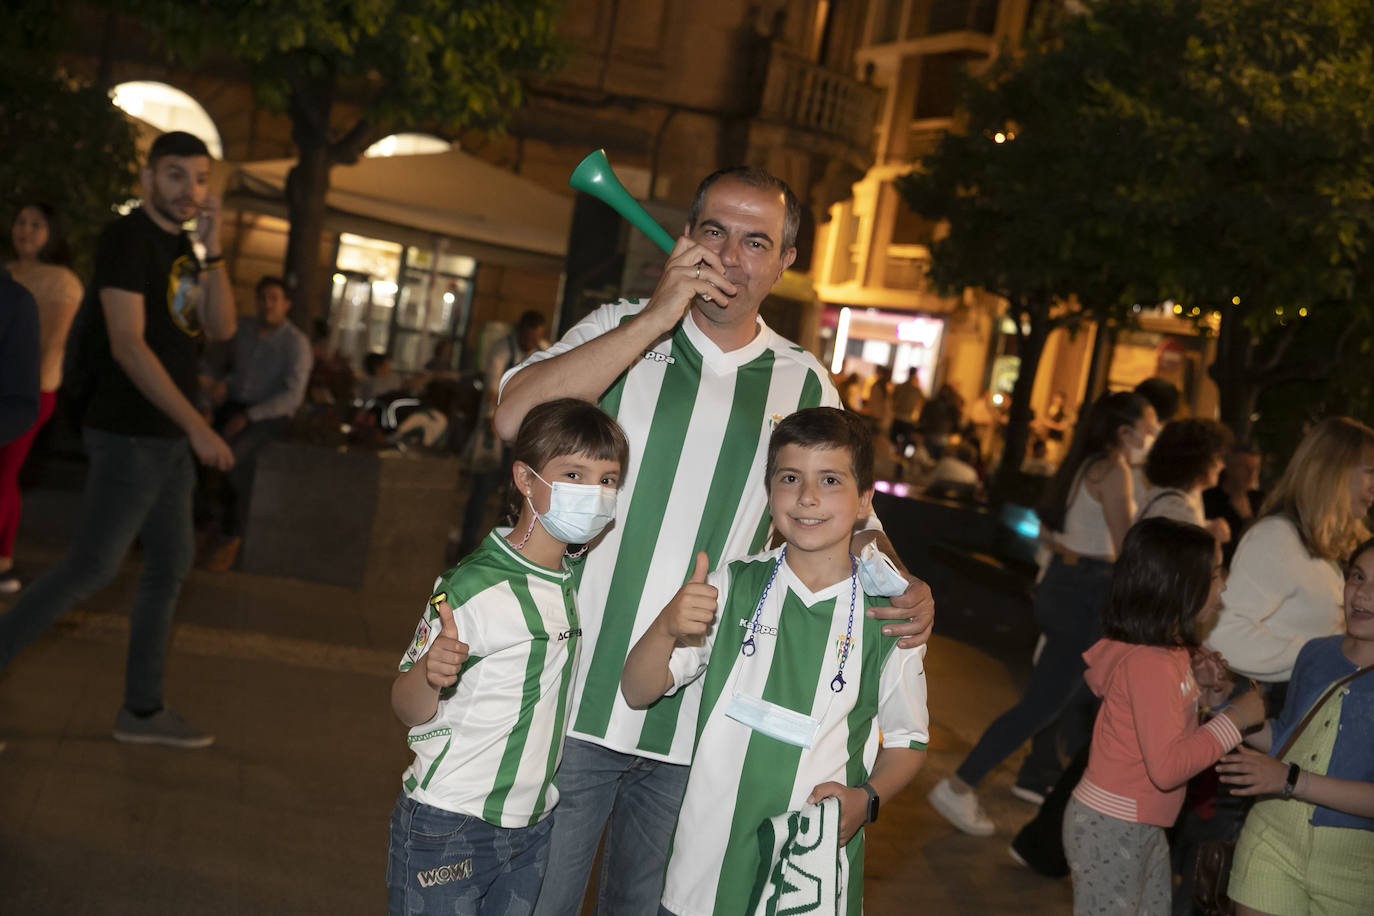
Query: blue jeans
point(442, 862)
point(1068, 608)
point(641, 798)
point(136, 486)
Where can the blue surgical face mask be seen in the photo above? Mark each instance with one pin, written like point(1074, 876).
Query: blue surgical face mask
point(878, 575)
point(577, 512)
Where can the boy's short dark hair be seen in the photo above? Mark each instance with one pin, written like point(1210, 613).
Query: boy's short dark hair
point(825, 427)
point(1159, 583)
point(176, 143)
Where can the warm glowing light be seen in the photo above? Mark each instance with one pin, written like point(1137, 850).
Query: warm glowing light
point(1178, 309)
point(841, 340)
point(921, 331)
point(1235, 300)
point(999, 137)
point(1279, 311)
point(339, 278)
point(1302, 312)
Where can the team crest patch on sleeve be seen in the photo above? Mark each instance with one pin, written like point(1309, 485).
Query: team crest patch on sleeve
point(421, 635)
point(773, 421)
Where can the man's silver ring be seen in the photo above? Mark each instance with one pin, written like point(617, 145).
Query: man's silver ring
point(697, 275)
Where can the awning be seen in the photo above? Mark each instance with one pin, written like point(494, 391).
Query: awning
point(451, 194)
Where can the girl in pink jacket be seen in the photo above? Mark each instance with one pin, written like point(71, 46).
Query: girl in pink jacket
point(1147, 743)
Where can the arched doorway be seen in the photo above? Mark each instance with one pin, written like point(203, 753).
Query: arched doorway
point(168, 108)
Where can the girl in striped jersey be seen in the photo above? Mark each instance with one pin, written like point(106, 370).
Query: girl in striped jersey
point(1146, 743)
point(798, 683)
point(484, 685)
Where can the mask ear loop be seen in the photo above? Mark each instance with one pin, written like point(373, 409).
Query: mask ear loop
point(528, 531)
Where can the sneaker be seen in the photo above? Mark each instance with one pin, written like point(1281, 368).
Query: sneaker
point(1027, 794)
point(162, 727)
point(1016, 857)
point(963, 811)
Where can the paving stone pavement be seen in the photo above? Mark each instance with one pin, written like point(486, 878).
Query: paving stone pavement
point(287, 812)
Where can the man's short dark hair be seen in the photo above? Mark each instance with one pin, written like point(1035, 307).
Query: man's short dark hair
point(267, 281)
point(1185, 451)
point(1162, 395)
point(176, 143)
point(763, 180)
point(825, 427)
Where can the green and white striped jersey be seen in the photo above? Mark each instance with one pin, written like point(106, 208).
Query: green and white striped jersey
point(493, 745)
point(740, 777)
point(698, 421)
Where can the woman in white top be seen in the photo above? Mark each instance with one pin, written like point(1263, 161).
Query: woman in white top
point(1186, 459)
point(40, 265)
point(1089, 506)
point(1285, 586)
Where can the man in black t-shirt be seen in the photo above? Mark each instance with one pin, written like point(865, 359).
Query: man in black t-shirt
point(134, 351)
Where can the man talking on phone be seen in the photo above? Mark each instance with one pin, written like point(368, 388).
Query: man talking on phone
point(132, 360)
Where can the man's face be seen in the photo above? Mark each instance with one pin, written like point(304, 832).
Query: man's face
point(272, 305)
point(743, 225)
point(176, 186)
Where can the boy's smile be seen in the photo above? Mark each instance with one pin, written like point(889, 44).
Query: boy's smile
point(815, 501)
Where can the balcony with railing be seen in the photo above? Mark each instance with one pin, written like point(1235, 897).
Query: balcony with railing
point(803, 96)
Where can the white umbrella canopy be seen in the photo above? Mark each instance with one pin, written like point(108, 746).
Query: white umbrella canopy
point(450, 193)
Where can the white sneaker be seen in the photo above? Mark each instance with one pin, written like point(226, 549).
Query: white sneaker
point(1027, 794)
point(963, 811)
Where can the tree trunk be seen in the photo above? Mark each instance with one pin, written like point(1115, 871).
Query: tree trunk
point(1030, 348)
point(1236, 388)
point(306, 186)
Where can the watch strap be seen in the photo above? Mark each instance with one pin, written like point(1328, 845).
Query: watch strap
point(872, 814)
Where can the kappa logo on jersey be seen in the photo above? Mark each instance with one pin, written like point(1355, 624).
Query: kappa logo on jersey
point(656, 357)
point(762, 628)
point(458, 871)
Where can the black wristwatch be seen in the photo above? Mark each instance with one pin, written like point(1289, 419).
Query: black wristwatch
point(1291, 783)
point(872, 814)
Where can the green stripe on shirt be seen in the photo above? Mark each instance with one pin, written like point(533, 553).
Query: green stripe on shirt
point(792, 677)
point(643, 521)
point(509, 767)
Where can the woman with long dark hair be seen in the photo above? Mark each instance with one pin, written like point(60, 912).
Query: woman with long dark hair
point(41, 265)
point(1087, 511)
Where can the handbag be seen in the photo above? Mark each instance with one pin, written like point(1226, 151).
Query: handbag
point(1212, 869)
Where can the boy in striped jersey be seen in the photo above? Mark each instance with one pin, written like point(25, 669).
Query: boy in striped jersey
point(697, 381)
point(488, 712)
point(798, 681)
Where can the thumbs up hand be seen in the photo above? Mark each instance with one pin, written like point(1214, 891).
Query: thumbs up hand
point(693, 608)
point(446, 656)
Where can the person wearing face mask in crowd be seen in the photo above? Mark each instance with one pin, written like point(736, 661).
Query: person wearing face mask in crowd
point(1089, 507)
point(1163, 397)
point(484, 684)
